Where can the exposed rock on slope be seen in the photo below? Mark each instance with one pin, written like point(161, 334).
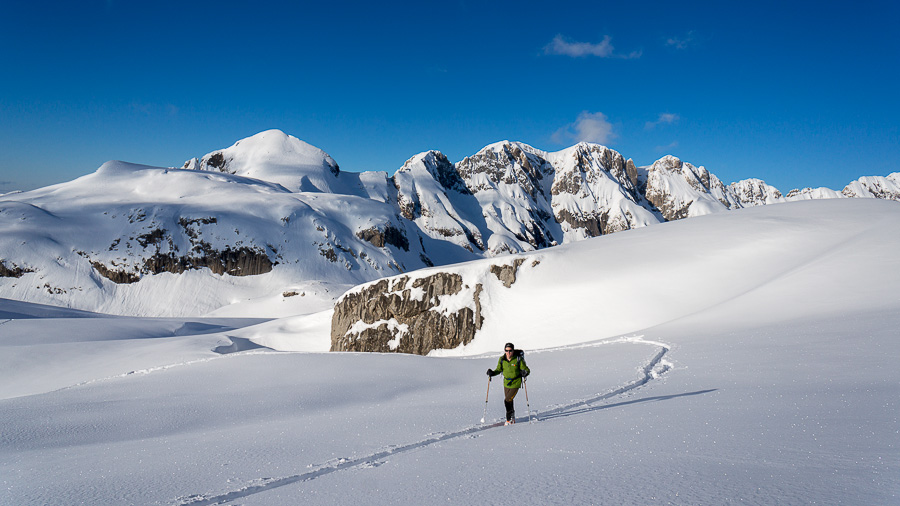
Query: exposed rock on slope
point(887, 188)
point(680, 190)
point(755, 192)
point(13, 271)
point(507, 273)
point(406, 314)
point(160, 252)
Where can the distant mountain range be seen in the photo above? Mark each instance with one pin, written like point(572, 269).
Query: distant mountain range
point(272, 223)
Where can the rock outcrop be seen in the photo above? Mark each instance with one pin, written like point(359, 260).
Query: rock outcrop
point(389, 235)
point(406, 314)
point(755, 192)
point(13, 270)
point(159, 252)
point(507, 273)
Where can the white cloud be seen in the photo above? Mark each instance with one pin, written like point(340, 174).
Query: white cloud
point(604, 49)
point(588, 127)
point(664, 119)
point(681, 42)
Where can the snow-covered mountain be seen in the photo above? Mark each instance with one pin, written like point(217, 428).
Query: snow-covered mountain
point(272, 226)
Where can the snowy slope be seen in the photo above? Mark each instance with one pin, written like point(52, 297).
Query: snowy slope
point(650, 276)
point(278, 158)
point(162, 227)
point(676, 364)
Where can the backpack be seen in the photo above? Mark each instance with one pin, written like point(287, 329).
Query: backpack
point(520, 355)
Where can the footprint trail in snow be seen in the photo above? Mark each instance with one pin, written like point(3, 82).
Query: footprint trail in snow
point(652, 370)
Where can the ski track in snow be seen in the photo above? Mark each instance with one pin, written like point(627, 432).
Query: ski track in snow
point(656, 367)
point(154, 369)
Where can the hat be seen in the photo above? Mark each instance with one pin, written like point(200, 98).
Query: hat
point(509, 345)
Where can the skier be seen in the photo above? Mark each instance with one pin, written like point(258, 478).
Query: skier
point(512, 366)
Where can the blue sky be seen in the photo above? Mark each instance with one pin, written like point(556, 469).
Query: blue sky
point(795, 93)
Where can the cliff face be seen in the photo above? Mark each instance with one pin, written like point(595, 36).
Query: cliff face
point(160, 250)
point(404, 314)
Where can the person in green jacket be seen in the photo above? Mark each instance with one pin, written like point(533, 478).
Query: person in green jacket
point(514, 370)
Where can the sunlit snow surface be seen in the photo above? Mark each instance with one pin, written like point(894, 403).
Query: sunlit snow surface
point(746, 357)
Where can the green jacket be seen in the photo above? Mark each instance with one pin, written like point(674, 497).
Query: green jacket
point(512, 369)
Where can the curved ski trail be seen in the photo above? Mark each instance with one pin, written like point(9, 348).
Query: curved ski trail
point(656, 367)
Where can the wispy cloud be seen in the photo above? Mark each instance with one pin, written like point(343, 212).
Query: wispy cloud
point(603, 49)
point(588, 127)
point(681, 42)
point(667, 148)
point(664, 119)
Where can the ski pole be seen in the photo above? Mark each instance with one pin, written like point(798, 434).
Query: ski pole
point(525, 386)
point(486, 399)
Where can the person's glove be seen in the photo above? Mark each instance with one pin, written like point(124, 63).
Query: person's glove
point(525, 374)
point(491, 373)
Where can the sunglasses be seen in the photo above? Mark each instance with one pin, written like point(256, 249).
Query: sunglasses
point(509, 349)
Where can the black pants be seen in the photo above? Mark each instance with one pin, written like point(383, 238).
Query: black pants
point(508, 395)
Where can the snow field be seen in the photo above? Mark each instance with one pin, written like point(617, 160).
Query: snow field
point(745, 357)
point(208, 429)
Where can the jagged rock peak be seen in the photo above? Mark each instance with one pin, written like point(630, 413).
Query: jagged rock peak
point(586, 157)
point(508, 163)
point(425, 159)
point(668, 163)
point(507, 153)
point(755, 192)
point(512, 147)
point(879, 187)
point(437, 166)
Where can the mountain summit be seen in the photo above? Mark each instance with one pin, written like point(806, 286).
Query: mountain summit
point(275, 157)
